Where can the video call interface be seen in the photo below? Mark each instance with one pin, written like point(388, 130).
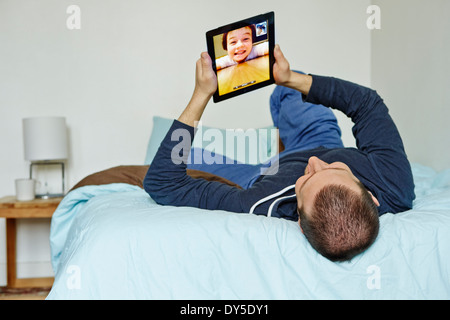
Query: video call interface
point(242, 57)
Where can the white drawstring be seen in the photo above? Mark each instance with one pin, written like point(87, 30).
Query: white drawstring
point(271, 197)
point(269, 213)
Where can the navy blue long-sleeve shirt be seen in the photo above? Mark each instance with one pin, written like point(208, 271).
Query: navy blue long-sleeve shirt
point(379, 161)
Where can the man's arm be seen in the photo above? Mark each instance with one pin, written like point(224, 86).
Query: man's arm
point(205, 86)
point(376, 135)
point(374, 130)
point(167, 181)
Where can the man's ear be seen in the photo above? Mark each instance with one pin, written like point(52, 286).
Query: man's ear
point(374, 199)
point(299, 221)
point(300, 226)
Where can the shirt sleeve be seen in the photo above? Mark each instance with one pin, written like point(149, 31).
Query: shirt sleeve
point(224, 62)
point(168, 183)
point(375, 132)
point(259, 50)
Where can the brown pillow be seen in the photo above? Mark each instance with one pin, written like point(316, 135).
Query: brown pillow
point(135, 175)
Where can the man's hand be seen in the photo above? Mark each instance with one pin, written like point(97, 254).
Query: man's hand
point(284, 76)
point(281, 68)
point(205, 77)
point(205, 86)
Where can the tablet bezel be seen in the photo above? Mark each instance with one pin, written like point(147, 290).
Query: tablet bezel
point(269, 17)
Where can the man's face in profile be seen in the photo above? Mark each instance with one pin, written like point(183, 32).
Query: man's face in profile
point(318, 174)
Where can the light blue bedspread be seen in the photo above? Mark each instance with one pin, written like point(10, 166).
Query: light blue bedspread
point(114, 242)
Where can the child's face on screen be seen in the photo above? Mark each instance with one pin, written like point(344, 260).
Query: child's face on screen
point(239, 43)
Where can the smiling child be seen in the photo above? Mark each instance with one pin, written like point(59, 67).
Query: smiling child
point(239, 45)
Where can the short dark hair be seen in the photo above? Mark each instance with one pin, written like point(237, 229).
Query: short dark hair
point(225, 35)
point(342, 223)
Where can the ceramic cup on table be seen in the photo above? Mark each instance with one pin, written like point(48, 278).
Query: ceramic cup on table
point(25, 189)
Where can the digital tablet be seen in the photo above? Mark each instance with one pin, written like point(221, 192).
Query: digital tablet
point(242, 55)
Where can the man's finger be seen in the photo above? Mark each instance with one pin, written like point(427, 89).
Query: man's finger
point(206, 60)
point(279, 56)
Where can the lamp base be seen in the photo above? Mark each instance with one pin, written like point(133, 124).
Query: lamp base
point(49, 196)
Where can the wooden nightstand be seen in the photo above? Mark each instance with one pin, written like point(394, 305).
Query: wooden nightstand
point(11, 209)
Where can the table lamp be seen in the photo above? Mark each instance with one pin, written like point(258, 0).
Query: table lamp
point(45, 143)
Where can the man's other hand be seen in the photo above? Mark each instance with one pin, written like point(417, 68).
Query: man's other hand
point(284, 76)
point(281, 68)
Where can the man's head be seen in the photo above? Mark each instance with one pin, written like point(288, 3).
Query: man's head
point(338, 216)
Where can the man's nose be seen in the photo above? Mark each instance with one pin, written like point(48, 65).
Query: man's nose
point(316, 164)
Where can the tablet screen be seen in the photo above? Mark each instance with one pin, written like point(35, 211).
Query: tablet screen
point(242, 55)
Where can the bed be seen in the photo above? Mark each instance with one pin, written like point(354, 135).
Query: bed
point(112, 241)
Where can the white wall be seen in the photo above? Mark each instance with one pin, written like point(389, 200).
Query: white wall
point(133, 59)
point(411, 70)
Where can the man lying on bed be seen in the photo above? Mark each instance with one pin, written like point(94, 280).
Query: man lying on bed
point(336, 193)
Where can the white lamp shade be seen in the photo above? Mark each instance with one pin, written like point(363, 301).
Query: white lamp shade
point(45, 138)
